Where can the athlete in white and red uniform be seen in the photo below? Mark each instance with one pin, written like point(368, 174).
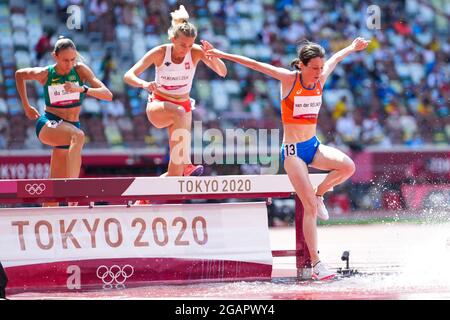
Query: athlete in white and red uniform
point(175, 79)
point(169, 105)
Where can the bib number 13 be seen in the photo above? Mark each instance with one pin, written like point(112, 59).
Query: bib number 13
point(290, 149)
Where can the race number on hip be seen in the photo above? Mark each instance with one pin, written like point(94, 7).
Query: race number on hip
point(290, 150)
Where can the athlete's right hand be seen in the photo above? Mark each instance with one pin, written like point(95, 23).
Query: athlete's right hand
point(214, 53)
point(360, 44)
point(31, 113)
point(150, 86)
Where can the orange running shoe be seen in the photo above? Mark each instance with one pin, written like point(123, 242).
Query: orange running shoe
point(193, 170)
point(141, 202)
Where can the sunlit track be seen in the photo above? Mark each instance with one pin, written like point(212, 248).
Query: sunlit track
point(380, 280)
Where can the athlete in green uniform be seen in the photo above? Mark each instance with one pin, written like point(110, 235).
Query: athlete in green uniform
point(64, 91)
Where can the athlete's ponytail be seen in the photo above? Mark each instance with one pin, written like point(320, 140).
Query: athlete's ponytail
point(294, 64)
point(181, 24)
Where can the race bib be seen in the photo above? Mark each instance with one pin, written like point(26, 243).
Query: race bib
point(59, 96)
point(306, 107)
point(290, 150)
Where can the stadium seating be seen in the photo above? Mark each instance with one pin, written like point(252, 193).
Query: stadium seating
point(402, 78)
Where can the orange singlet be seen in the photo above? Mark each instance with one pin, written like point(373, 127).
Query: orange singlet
point(301, 105)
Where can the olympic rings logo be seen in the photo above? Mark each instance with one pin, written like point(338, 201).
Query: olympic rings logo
point(114, 274)
point(35, 188)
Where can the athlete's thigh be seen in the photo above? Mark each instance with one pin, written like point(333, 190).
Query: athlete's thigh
point(329, 158)
point(297, 171)
point(57, 133)
point(162, 114)
point(185, 121)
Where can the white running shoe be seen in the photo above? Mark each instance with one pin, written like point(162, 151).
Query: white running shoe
point(321, 272)
point(322, 212)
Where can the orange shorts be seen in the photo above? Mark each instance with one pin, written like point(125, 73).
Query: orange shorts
point(187, 105)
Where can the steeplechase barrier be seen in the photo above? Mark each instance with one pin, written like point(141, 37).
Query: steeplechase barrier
point(121, 245)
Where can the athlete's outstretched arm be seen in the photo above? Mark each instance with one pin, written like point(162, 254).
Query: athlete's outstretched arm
point(357, 45)
point(274, 72)
point(131, 77)
point(22, 75)
point(213, 63)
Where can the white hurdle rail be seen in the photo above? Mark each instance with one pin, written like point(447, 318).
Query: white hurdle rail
point(125, 190)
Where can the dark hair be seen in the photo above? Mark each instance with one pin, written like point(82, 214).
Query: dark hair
point(64, 43)
point(306, 51)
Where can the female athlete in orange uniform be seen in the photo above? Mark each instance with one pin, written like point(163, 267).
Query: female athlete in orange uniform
point(301, 98)
point(169, 105)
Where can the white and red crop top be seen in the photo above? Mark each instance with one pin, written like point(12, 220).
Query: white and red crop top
point(175, 78)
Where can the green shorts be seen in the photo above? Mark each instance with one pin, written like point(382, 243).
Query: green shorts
point(54, 121)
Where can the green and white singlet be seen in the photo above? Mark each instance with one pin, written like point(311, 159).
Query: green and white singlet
point(54, 93)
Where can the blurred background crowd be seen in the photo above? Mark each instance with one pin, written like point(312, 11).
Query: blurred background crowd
point(395, 93)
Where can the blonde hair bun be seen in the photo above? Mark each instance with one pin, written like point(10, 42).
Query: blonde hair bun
point(179, 16)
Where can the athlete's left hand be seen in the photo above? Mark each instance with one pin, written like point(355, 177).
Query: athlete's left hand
point(73, 87)
point(360, 44)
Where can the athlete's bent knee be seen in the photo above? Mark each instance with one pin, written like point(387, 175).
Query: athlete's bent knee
point(78, 138)
point(154, 116)
point(349, 168)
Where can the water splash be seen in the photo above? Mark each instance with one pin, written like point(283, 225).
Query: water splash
point(421, 273)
